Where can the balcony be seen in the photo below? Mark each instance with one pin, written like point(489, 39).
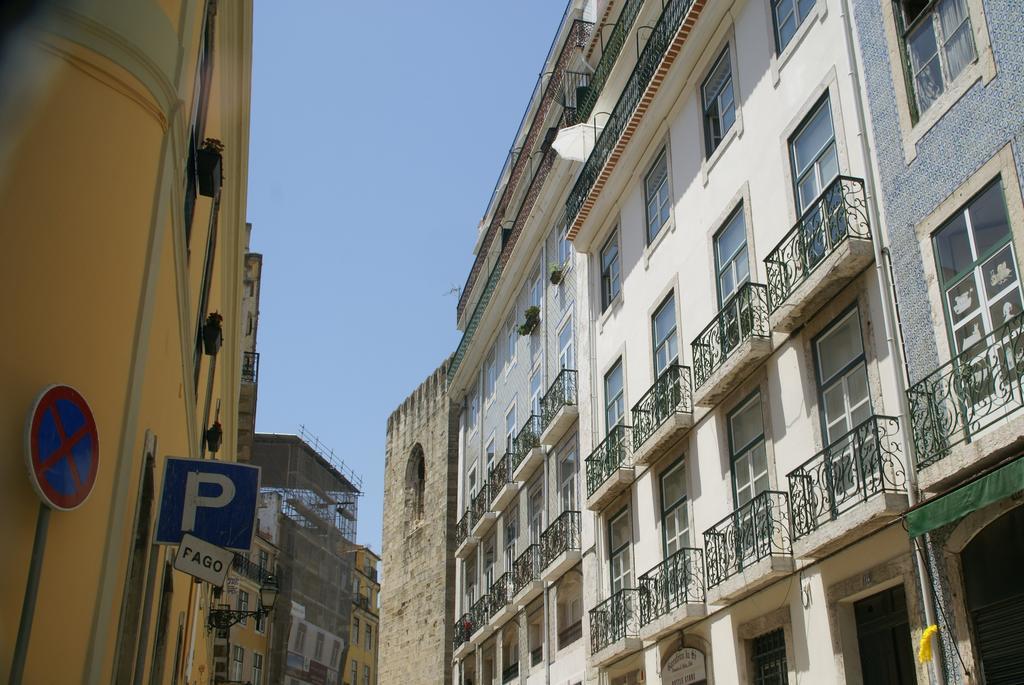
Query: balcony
point(501, 597)
point(483, 517)
point(663, 415)
point(856, 485)
point(609, 468)
point(558, 410)
point(510, 673)
point(503, 487)
point(465, 541)
point(479, 616)
point(474, 319)
point(748, 548)
point(672, 594)
point(737, 340)
point(560, 546)
point(962, 414)
point(250, 367)
point(526, 583)
point(569, 634)
point(249, 569)
point(527, 454)
point(463, 629)
point(614, 627)
point(825, 250)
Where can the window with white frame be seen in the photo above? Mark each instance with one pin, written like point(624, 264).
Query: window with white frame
point(536, 289)
point(731, 261)
point(564, 245)
point(938, 44)
point(511, 536)
point(257, 668)
point(300, 638)
point(368, 642)
point(614, 396)
point(748, 456)
point(471, 481)
point(610, 271)
point(566, 346)
point(511, 340)
point(490, 376)
point(243, 605)
point(620, 564)
point(657, 196)
point(813, 154)
point(335, 652)
point(675, 524)
point(977, 267)
point(355, 671)
point(488, 561)
point(489, 453)
point(366, 675)
point(536, 512)
point(567, 477)
point(237, 662)
point(510, 425)
point(473, 411)
point(787, 15)
point(355, 631)
point(469, 571)
point(663, 332)
point(318, 649)
point(719, 103)
point(535, 391)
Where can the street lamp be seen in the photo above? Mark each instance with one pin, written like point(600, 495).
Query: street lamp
point(225, 617)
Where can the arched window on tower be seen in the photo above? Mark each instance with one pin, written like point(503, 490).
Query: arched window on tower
point(415, 481)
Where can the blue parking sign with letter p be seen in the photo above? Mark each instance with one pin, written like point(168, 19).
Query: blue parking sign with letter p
point(213, 500)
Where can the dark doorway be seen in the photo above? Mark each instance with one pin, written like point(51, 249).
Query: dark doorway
point(995, 597)
point(883, 633)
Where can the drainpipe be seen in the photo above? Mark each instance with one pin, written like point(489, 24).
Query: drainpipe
point(888, 317)
point(547, 605)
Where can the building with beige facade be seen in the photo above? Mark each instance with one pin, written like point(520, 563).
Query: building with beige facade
point(361, 658)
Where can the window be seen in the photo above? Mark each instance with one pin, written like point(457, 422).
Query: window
point(813, 153)
point(536, 504)
point(237, 662)
point(656, 196)
point(366, 675)
point(472, 485)
point(719, 103)
point(746, 443)
point(335, 653)
point(566, 347)
point(511, 534)
point(787, 16)
point(564, 246)
point(535, 391)
point(675, 525)
point(845, 400)
point(614, 399)
point(663, 330)
point(610, 268)
point(257, 669)
point(620, 565)
point(511, 339)
point(243, 605)
point(469, 567)
point(355, 585)
point(770, 659)
point(567, 478)
point(731, 262)
point(536, 289)
point(300, 638)
point(938, 44)
point(510, 425)
point(368, 643)
point(261, 623)
point(490, 376)
point(263, 561)
point(355, 671)
point(318, 653)
point(355, 631)
point(489, 452)
point(474, 411)
point(978, 268)
point(488, 559)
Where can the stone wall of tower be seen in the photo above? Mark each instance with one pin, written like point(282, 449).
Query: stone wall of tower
point(417, 600)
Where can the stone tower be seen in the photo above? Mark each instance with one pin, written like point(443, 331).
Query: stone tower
point(417, 600)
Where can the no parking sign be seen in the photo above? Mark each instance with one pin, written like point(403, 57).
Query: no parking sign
point(62, 447)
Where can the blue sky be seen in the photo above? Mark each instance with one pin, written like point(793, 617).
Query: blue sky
point(378, 130)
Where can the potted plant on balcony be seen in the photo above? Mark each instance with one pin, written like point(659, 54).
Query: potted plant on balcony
point(209, 166)
point(213, 334)
point(555, 273)
point(532, 320)
point(214, 436)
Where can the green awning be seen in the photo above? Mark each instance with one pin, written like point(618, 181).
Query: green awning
point(999, 484)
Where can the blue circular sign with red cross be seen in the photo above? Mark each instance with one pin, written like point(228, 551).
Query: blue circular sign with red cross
point(62, 447)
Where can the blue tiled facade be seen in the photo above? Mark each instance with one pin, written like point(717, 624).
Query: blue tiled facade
point(967, 136)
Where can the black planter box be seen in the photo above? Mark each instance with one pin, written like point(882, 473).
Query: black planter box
point(212, 338)
point(208, 168)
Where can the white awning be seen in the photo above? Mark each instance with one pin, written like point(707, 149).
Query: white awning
point(576, 142)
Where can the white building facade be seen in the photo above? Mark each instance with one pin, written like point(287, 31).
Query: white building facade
point(705, 477)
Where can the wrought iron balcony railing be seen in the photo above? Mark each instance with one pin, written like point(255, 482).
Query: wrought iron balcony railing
point(536, 655)
point(969, 393)
point(613, 452)
point(526, 440)
point(474, 319)
point(674, 582)
point(574, 87)
point(744, 316)
point(859, 465)
point(609, 55)
point(500, 475)
point(480, 612)
point(510, 673)
point(481, 502)
point(250, 569)
point(463, 527)
point(561, 536)
point(561, 393)
point(463, 630)
point(757, 530)
point(658, 42)
point(570, 633)
point(615, 618)
point(526, 568)
point(500, 594)
point(250, 367)
point(669, 395)
point(840, 212)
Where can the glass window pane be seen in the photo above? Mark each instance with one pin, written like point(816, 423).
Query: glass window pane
point(673, 486)
point(731, 239)
point(988, 219)
point(812, 138)
point(953, 247)
point(746, 425)
point(839, 346)
point(618, 531)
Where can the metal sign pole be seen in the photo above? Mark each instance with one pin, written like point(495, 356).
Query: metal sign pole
point(28, 607)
